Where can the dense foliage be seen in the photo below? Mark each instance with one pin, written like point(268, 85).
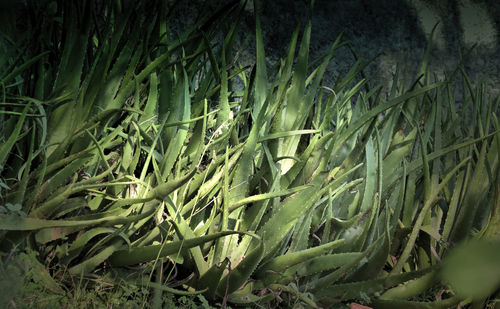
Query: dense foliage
point(137, 164)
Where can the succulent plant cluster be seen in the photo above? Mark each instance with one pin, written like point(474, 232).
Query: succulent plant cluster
point(127, 153)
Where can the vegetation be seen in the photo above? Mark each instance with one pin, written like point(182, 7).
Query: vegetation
point(135, 173)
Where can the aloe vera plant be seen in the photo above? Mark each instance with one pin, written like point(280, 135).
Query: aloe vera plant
point(135, 150)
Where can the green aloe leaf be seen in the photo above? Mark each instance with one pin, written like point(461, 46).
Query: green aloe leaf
point(476, 191)
point(411, 288)
point(418, 224)
point(78, 245)
point(6, 147)
point(265, 196)
point(91, 263)
point(16, 223)
point(240, 273)
point(143, 254)
point(18, 70)
point(472, 270)
point(212, 278)
point(326, 263)
point(353, 290)
point(159, 192)
point(285, 261)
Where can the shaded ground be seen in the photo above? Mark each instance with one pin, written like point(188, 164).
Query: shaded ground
point(394, 29)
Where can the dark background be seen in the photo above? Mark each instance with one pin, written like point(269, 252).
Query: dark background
point(395, 29)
